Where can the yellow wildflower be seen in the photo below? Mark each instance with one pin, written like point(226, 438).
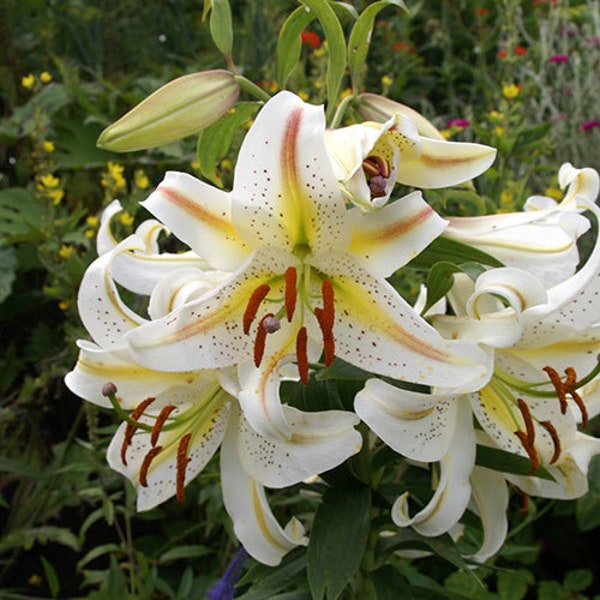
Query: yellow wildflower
point(195, 165)
point(92, 220)
point(49, 181)
point(66, 250)
point(507, 197)
point(126, 218)
point(304, 95)
point(45, 77)
point(64, 304)
point(510, 91)
point(56, 196)
point(116, 172)
point(498, 130)
point(28, 81)
point(89, 233)
point(48, 146)
point(386, 81)
point(346, 92)
point(141, 179)
point(446, 133)
point(226, 164)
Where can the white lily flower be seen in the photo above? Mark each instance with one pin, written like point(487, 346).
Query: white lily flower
point(543, 238)
point(369, 158)
point(308, 274)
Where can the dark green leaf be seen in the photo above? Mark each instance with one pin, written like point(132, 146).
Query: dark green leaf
point(337, 540)
point(8, 266)
point(506, 462)
point(513, 585)
point(21, 215)
point(51, 577)
point(360, 37)
point(390, 584)
point(587, 511)
point(185, 552)
point(440, 280)
point(451, 251)
point(289, 44)
point(221, 27)
point(266, 581)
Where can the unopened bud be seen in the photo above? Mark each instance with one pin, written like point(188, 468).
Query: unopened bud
point(179, 108)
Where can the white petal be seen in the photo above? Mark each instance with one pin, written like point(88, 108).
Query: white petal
point(418, 426)
point(453, 490)
point(247, 505)
point(105, 241)
point(200, 215)
point(318, 442)
point(389, 238)
point(285, 192)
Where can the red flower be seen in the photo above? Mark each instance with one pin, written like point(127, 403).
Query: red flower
point(502, 54)
point(520, 50)
point(310, 38)
point(401, 46)
point(481, 12)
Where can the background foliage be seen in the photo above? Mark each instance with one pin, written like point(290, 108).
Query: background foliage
point(518, 75)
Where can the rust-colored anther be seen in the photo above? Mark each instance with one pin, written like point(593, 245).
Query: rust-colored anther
point(571, 377)
point(291, 278)
point(558, 386)
point(549, 427)
point(160, 421)
point(530, 449)
point(146, 464)
point(328, 304)
point(328, 339)
point(260, 341)
point(302, 354)
point(581, 406)
point(529, 426)
point(376, 165)
point(130, 427)
point(182, 462)
point(258, 295)
point(525, 507)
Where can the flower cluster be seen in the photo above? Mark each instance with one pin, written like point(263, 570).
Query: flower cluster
point(288, 275)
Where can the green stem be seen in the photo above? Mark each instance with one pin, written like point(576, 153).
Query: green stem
point(341, 109)
point(248, 86)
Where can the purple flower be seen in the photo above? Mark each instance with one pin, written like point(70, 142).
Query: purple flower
point(559, 58)
point(224, 589)
point(457, 123)
point(594, 40)
point(591, 124)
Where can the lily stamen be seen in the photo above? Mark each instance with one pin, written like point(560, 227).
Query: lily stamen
point(568, 386)
point(302, 354)
point(182, 462)
point(530, 449)
point(261, 339)
point(160, 421)
point(146, 464)
point(555, 440)
point(258, 295)
point(526, 414)
point(376, 165)
point(130, 428)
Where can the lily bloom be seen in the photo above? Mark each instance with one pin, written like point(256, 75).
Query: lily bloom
point(308, 275)
point(175, 421)
point(370, 158)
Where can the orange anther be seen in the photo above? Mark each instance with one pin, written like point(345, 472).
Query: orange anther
point(530, 449)
point(328, 340)
point(160, 421)
point(182, 462)
point(291, 277)
point(302, 354)
point(582, 408)
point(260, 340)
point(328, 304)
point(258, 295)
point(146, 464)
point(529, 427)
point(555, 439)
point(558, 386)
point(130, 427)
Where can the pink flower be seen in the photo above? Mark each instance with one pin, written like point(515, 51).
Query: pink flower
point(594, 40)
point(559, 58)
point(591, 124)
point(457, 123)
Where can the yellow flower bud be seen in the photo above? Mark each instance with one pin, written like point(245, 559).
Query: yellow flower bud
point(180, 108)
point(28, 81)
point(510, 91)
point(45, 77)
point(48, 146)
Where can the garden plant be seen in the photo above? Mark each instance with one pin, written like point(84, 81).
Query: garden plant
point(300, 299)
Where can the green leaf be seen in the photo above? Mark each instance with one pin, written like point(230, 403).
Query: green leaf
point(19, 468)
point(96, 552)
point(587, 511)
point(21, 216)
point(8, 267)
point(390, 584)
point(185, 584)
point(214, 141)
point(220, 25)
point(28, 538)
point(578, 580)
point(451, 251)
point(440, 280)
point(51, 577)
point(512, 585)
point(185, 552)
point(336, 62)
point(360, 38)
point(340, 369)
point(289, 43)
point(506, 462)
point(337, 541)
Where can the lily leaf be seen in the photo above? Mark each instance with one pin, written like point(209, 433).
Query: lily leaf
point(506, 462)
point(336, 549)
point(289, 44)
point(453, 252)
point(360, 39)
point(220, 25)
point(336, 63)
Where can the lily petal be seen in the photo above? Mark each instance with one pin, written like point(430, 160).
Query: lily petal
point(418, 426)
point(246, 503)
point(285, 192)
point(200, 215)
point(453, 490)
point(389, 238)
point(375, 329)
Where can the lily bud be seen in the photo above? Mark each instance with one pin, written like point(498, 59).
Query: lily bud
point(373, 107)
point(179, 108)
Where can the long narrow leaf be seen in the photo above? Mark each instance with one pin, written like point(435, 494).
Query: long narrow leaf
point(289, 44)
